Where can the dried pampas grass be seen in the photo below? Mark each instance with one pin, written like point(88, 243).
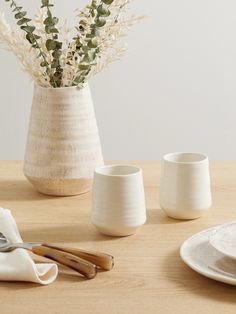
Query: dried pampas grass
point(15, 41)
point(85, 51)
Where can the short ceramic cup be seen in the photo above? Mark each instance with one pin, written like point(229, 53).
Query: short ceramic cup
point(185, 191)
point(118, 207)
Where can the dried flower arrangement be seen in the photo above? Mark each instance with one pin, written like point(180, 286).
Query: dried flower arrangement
point(53, 55)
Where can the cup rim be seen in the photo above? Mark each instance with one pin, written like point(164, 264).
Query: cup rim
point(201, 158)
point(136, 170)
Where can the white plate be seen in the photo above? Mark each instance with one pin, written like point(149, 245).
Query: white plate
point(224, 239)
point(202, 257)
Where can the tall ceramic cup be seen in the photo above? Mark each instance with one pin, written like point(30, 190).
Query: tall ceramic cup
point(118, 207)
point(185, 191)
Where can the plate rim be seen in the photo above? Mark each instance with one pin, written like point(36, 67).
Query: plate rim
point(211, 273)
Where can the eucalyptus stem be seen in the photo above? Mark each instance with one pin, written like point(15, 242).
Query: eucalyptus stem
point(89, 52)
point(53, 45)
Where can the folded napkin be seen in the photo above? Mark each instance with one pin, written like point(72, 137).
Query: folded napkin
point(18, 265)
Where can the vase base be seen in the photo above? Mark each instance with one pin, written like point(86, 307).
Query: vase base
point(61, 187)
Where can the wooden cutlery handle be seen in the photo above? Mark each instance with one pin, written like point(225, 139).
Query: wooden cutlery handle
point(102, 260)
point(78, 264)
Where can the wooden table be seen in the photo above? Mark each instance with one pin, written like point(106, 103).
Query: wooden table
point(149, 276)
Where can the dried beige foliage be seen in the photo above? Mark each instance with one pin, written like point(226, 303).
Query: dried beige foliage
point(14, 41)
point(108, 48)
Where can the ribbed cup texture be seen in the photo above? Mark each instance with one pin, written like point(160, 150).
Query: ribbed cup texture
point(118, 202)
point(185, 190)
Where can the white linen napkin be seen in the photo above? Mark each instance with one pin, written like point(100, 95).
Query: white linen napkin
point(18, 264)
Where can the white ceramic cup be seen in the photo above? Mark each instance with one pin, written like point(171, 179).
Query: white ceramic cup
point(118, 206)
point(185, 191)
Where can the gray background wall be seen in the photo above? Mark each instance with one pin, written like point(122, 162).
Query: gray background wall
point(173, 91)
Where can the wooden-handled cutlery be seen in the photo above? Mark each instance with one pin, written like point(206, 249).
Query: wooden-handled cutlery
point(84, 262)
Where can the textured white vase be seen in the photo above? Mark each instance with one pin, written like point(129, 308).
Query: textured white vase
point(63, 146)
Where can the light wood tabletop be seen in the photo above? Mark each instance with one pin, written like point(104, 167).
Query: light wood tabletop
point(149, 276)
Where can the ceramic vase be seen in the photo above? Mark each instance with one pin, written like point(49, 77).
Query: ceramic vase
point(63, 146)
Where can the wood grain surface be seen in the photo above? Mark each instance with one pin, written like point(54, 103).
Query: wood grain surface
point(149, 276)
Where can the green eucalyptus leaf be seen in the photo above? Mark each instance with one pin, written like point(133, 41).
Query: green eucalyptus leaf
point(45, 3)
point(51, 21)
point(58, 44)
point(48, 29)
point(20, 15)
point(91, 55)
point(23, 21)
point(79, 78)
point(94, 4)
point(55, 20)
point(55, 63)
point(51, 29)
point(54, 31)
point(84, 66)
point(94, 32)
point(30, 38)
point(100, 22)
point(93, 43)
point(76, 81)
point(56, 54)
point(47, 21)
point(51, 44)
point(108, 2)
point(102, 11)
point(44, 64)
point(28, 29)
